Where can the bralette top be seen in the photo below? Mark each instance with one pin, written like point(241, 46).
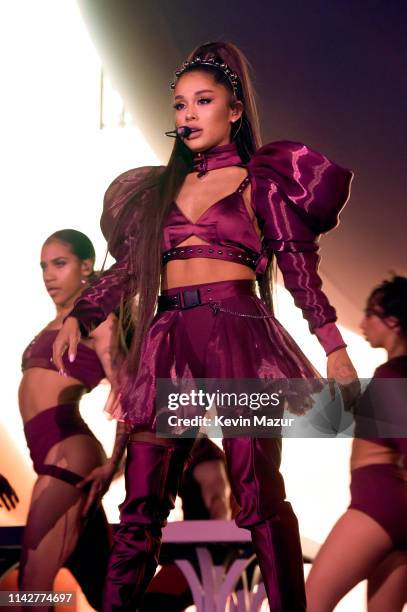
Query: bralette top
point(86, 368)
point(225, 225)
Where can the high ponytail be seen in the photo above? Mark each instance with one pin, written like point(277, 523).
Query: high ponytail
point(247, 137)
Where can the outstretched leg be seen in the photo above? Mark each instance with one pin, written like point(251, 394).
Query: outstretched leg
point(153, 472)
point(55, 523)
point(254, 473)
point(53, 526)
point(354, 547)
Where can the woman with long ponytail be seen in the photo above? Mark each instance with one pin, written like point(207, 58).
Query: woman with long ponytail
point(193, 239)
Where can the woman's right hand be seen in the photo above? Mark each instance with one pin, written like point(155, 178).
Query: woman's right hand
point(341, 370)
point(67, 338)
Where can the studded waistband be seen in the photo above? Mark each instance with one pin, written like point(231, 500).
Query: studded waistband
point(212, 251)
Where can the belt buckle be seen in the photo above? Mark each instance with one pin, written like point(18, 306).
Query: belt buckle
point(191, 298)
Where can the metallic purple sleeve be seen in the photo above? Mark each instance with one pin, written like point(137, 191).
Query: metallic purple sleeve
point(118, 282)
point(302, 280)
point(298, 195)
point(330, 337)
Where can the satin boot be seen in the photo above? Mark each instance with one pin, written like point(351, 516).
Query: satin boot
point(152, 477)
point(253, 466)
point(277, 544)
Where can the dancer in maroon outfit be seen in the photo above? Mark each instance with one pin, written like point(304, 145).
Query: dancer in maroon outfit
point(205, 227)
point(64, 526)
point(370, 540)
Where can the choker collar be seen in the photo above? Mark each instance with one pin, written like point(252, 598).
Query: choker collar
point(218, 157)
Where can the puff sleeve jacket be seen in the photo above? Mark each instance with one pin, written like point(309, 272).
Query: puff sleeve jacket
point(104, 295)
point(297, 195)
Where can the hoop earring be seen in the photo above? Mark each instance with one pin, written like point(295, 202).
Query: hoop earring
point(239, 128)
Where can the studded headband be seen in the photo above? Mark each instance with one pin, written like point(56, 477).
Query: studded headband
point(233, 77)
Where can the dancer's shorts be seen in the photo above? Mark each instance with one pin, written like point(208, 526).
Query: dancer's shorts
point(89, 560)
point(48, 428)
point(380, 491)
point(213, 331)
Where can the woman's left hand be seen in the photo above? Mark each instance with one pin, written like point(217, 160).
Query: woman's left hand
point(341, 370)
point(99, 481)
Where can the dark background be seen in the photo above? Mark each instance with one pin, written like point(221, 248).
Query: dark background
point(330, 73)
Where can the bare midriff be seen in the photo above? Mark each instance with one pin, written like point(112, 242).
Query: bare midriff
point(41, 389)
point(367, 452)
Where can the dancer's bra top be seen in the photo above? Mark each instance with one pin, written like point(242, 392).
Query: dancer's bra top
point(86, 367)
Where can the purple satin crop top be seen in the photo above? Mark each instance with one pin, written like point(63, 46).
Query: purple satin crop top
point(296, 195)
point(86, 367)
point(225, 225)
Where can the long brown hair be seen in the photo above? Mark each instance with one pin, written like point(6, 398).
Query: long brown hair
point(158, 191)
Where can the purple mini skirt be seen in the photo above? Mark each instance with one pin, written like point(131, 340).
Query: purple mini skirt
point(228, 334)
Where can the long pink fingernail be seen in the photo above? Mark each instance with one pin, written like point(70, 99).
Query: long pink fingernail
point(71, 357)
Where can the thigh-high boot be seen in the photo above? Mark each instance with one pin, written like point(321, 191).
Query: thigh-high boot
point(253, 468)
point(152, 477)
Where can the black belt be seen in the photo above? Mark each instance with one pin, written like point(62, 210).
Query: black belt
point(205, 294)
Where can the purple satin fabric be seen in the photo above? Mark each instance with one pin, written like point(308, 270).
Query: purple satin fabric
point(330, 337)
point(120, 193)
point(226, 222)
point(86, 368)
point(307, 183)
point(234, 347)
point(218, 157)
point(297, 194)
